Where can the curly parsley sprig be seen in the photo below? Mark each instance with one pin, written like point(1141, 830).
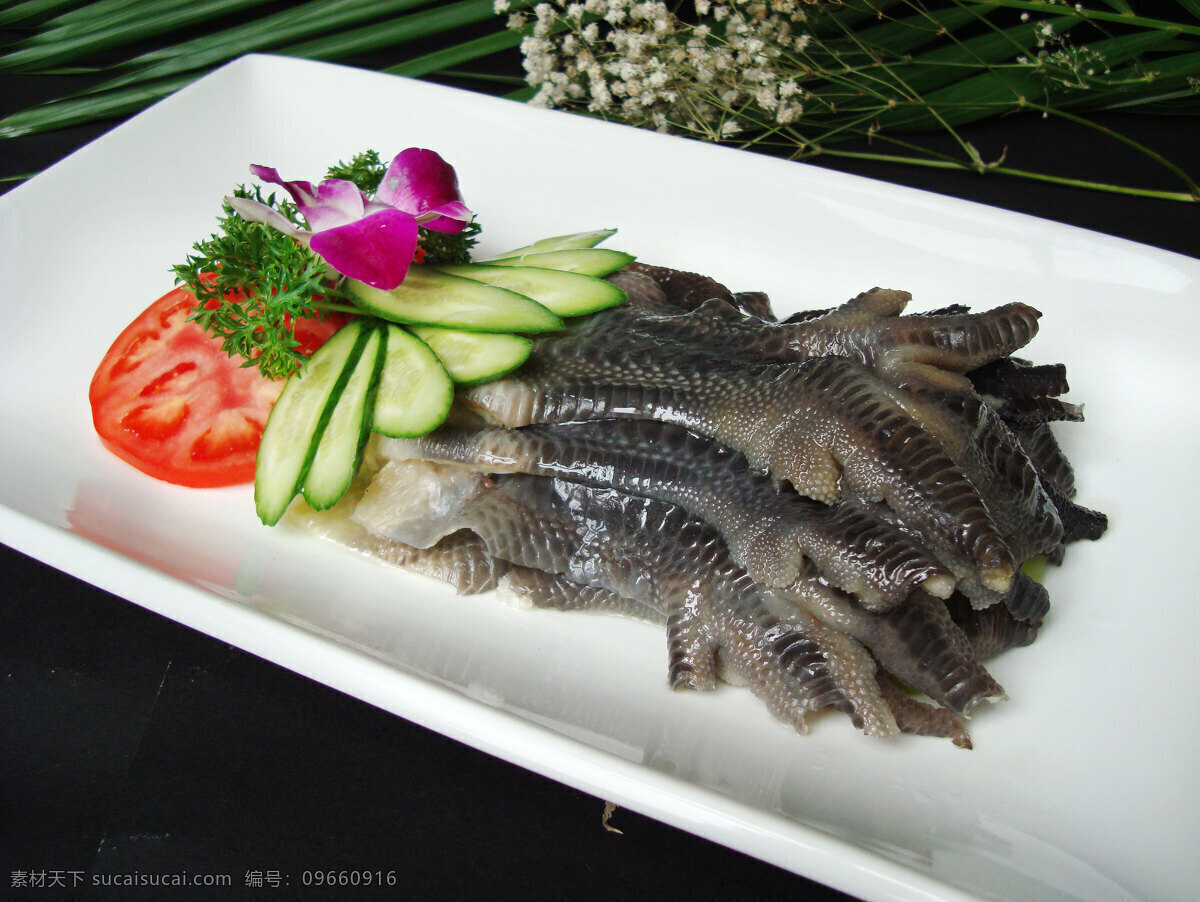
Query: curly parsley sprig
point(252, 282)
point(365, 170)
point(440, 247)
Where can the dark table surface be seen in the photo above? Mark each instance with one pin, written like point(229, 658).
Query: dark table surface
point(132, 745)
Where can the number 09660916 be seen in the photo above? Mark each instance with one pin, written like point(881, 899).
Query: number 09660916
point(349, 878)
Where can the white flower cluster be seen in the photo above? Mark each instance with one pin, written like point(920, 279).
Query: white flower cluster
point(730, 66)
point(1061, 63)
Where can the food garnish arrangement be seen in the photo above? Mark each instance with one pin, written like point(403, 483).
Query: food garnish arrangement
point(843, 509)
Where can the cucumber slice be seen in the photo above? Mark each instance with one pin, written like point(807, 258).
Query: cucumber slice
point(415, 392)
point(471, 357)
point(588, 261)
point(340, 449)
point(559, 243)
point(430, 297)
point(564, 293)
point(290, 438)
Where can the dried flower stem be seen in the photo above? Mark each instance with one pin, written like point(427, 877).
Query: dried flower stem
point(1022, 173)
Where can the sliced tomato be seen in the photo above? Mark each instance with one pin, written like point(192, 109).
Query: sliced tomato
point(312, 332)
point(169, 401)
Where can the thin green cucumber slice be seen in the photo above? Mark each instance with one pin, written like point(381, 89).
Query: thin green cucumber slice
point(564, 293)
point(1035, 567)
point(415, 391)
point(587, 261)
point(430, 297)
point(473, 357)
point(340, 448)
point(294, 427)
point(559, 243)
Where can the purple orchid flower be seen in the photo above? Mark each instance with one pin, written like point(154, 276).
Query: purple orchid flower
point(371, 239)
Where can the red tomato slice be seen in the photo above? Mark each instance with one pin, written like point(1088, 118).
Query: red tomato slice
point(169, 401)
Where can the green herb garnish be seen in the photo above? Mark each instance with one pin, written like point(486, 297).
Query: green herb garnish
point(364, 169)
point(252, 282)
point(441, 248)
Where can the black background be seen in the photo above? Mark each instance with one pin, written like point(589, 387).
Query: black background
point(129, 743)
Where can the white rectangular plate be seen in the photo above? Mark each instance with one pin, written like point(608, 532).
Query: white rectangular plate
point(1082, 786)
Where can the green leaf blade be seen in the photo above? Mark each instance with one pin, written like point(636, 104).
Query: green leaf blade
point(88, 108)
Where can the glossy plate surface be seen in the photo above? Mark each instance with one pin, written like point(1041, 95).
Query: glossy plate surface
point(1080, 787)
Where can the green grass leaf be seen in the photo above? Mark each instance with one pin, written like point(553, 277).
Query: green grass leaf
point(72, 43)
point(424, 24)
point(87, 108)
point(121, 18)
point(899, 91)
point(99, 10)
point(264, 34)
point(171, 68)
point(1174, 77)
point(1044, 8)
point(851, 15)
point(901, 36)
point(34, 11)
point(456, 55)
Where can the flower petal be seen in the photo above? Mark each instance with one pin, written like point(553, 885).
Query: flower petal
point(302, 192)
point(449, 217)
point(420, 181)
point(253, 211)
point(376, 250)
point(338, 202)
point(332, 203)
